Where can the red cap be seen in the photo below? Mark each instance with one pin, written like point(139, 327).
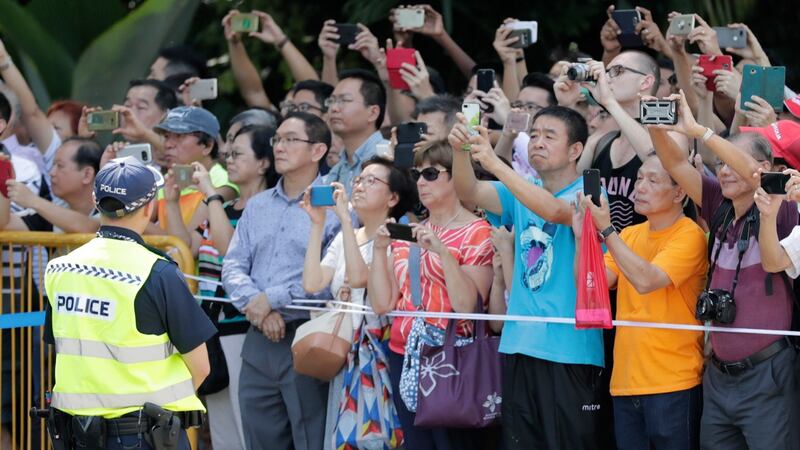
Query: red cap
point(793, 105)
point(784, 135)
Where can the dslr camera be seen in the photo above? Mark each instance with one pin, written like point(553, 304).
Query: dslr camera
point(579, 72)
point(716, 305)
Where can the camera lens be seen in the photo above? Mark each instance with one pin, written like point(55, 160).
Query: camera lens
point(578, 72)
point(144, 155)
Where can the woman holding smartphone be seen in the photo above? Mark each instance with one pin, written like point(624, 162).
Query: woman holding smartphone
point(379, 192)
point(455, 269)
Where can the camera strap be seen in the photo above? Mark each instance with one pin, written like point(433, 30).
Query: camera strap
point(741, 244)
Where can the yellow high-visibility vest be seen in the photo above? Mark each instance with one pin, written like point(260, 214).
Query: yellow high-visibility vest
point(104, 365)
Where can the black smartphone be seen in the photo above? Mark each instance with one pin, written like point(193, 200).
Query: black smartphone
point(627, 19)
point(404, 156)
point(591, 185)
point(485, 82)
point(411, 132)
point(774, 182)
point(400, 232)
point(347, 33)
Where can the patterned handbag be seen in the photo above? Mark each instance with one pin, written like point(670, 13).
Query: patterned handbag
point(367, 418)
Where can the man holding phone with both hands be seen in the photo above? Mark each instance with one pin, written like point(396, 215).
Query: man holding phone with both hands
point(657, 268)
point(548, 367)
point(749, 397)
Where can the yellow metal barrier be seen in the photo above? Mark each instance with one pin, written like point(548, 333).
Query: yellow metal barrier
point(27, 363)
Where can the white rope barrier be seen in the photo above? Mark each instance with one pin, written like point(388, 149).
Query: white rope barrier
point(350, 308)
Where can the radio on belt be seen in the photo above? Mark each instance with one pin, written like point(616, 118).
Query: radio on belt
point(658, 112)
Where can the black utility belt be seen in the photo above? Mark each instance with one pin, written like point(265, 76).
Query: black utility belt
point(735, 368)
point(138, 423)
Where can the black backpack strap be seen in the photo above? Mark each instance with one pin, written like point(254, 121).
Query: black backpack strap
point(604, 143)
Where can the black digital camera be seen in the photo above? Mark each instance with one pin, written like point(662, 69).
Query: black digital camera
point(716, 305)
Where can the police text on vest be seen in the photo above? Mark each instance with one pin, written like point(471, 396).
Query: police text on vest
point(87, 306)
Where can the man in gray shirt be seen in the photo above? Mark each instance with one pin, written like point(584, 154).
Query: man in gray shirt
point(262, 274)
point(355, 113)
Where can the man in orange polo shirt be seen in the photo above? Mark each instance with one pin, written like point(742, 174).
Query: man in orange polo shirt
point(658, 268)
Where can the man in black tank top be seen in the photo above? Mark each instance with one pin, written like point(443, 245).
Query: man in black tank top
point(619, 154)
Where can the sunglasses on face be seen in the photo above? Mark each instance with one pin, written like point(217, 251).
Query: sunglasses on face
point(428, 173)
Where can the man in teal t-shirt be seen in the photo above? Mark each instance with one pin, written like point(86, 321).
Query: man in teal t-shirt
point(552, 381)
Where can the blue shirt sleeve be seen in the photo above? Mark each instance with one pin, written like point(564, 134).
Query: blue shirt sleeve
point(237, 264)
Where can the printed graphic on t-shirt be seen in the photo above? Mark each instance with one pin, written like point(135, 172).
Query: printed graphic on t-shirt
point(537, 254)
point(621, 194)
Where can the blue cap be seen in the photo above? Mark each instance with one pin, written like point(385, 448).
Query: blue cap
point(189, 119)
point(129, 182)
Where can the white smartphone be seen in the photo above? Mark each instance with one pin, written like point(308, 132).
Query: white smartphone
point(409, 17)
point(205, 89)
point(472, 112)
point(142, 152)
point(531, 25)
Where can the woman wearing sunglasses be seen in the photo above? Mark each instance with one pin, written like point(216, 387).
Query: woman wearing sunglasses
point(455, 267)
point(379, 192)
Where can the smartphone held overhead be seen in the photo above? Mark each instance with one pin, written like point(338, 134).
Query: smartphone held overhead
point(244, 23)
point(774, 182)
point(472, 113)
point(182, 174)
point(395, 58)
point(409, 18)
point(627, 19)
point(347, 33)
point(591, 185)
point(527, 33)
point(205, 89)
point(142, 152)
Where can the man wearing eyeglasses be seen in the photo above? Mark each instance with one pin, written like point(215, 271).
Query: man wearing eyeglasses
point(307, 96)
point(618, 154)
point(262, 274)
point(355, 114)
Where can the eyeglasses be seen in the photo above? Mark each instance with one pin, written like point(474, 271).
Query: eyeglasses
point(619, 69)
point(429, 173)
point(232, 155)
point(290, 107)
point(342, 101)
point(527, 106)
point(367, 181)
point(274, 141)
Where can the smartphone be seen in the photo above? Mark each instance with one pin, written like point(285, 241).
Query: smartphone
point(183, 175)
point(681, 25)
point(765, 82)
point(322, 196)
point(142, 152)
point(244, 23)
point(484, 83)
point(710, 63)
point(347, 33)
point(411, 132)
point(774, 182)
point(472, 112)
point(6, 173)
point(205, 89)
point(591, 184)
point(729, 37)
point(527, 32)
point(658, 112)
point(400, 232)
point(102, 120)
point(627, 19)
point(519, 122)
point(395, 57)
point(404, 156)
point(409, 18)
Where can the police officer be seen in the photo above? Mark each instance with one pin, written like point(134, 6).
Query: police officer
point(126, 328)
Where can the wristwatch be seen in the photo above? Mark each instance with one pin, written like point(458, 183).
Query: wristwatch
point(214, 197)
point(607, 232)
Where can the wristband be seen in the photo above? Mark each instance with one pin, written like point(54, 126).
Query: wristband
point(607, 232)
point(214, 197)
point(520, 59)
point(707, 135)
point(283, 42)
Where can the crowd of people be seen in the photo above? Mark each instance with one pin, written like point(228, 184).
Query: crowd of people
point(690, 235)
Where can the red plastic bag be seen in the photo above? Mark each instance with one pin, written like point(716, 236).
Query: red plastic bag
point(593, 306)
